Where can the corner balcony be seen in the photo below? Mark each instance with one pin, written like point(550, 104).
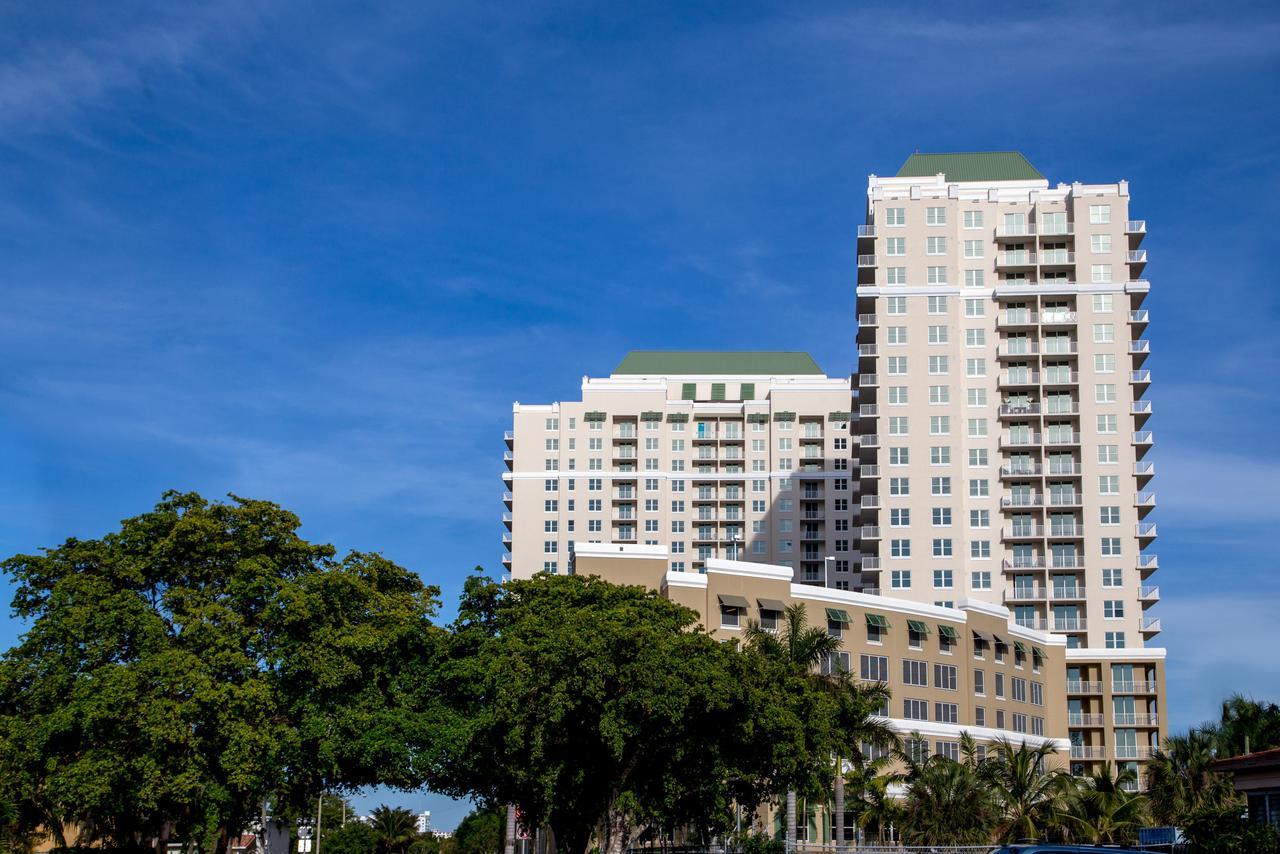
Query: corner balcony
point(1139, 350)
point(1148, 564)
point(506, 540)
point(1144, 470)
point(1149, 594)
point(509, 436)
point(870, 532)
point(508, 499)
point(509, 459)
point(506, 561)
point(866, 261)
point(1140, 378)
point(869, 440)
point(872, 320)
point(1026, 594)
point(869, 471)
point(1135, 226)
point(867, 351)
point(1075, 686)
point(1146, 532)
point(1139, 318)
point(868, 381)
point(868, 410)
point(506, 520)
point(1086, 751)
point(1141, 411)
point(1144, 500)
point(1143, 437)
point(1150, 626)
point(866, 232)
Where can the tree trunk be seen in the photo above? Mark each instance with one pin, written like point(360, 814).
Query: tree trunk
point(790, 836)
point(617, 832)
point(839, 796)
point(509, 843)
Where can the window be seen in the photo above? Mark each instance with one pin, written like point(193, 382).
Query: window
point(935, 216)
point(939, 394)
point(898, 425)
point(941, 547)
point(980, 682)
point(1111, 547)
point(895, 275)
point(940, 486)
point(939, 425)
point(973, 219)
point(980, 549)
point(940, 455)
point(935, 245)
point(1103, 303)
point(1099, 214)
point(900, 548)
point(896, 335)
point(915, 710)
point(999, 677)
point(1109, 484)
point(895, 216)
point(975, 367)
point(899, 486)
point(1111, 578)
point(873, 668)
point(897, 366)
point(900, 579)
point(937, 335)
point(1113, 609)
point(895, 246)
point(1037, 694)
point(979, 518)
point(915, 672)
point(980, 719)
point(975, 279)
point(895, 305)
point(975, 337)
point(1018, 689)
point(899, 517)
point(947, 713)
point(550, 546)
point(937, 365)
point(897, 395)
point(976, 397)
point(729, 616)
point(978, 457)
point(974, 248)
point(1108, 454)
point(937, 305)
point(899, 456)
point(979, 488)
point(1114, 640)
point(1104, 363)
point(1108, 424)
point(975, 308)
point(977, 428)
point(1104, 393)
point(943, 579)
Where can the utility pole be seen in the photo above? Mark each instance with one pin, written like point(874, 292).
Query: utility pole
point(319, 810)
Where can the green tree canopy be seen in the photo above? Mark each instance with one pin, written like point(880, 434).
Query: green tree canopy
point(203, 659)
point(480, 832)
point(589, 703)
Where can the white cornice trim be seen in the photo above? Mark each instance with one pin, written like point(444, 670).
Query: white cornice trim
point(684, 579)
point(934, 729)
point(720, 566)
point(1133, 653)
point(876, 603)
point(616, 550)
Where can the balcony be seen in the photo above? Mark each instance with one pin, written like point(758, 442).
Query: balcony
point(1150, 625)
point(1065, 499)
point(1056, 258)
point(870, 563)
point(1059, 318)
point(1069, 624)
point(1080, 687)
point(869, 471)
point(1084, 751)
point(1135, 226)
point(1130, 751)
point(1134, 687)
point(1143, 437)
point(1083, 719)
point(1149, 593)
point(1060, 378)
point(1141, 347)
point(1015, 410)
point(1018, 563)
point(1023, 532)
point(1139, 317)
point(1051, 230)
point(1026, 594)
point(509, 459)
point(1015, 259)
point(1140, 377)
point(508, 476)
point(1022, 470)
point(1020, 440)
point(1066, 594)
point(507, 499)
point(866, 232)
point(506, 561)
point(868, 381)
point(1016, 379)
point(1057, 469)
point(1135, 719)
point(869, 440)
point(1020, 349)
point(1017, 317)
point(1034, 499)
point(866, 261)
point(506, 520)
point(1144, 499)
point(1061, 438)
point(1141, 408)
point(1148, 563)
point(1136, 256)
point(1144, 470)
point(870, 502)
point(867, 351)
point(1035, 623)
point(506, 540)
point(1026, 229)
point(509, 436)
point(1147, 531)
point(870, 532)
point(1063, 531)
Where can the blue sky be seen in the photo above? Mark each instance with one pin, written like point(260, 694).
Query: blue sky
point(312, 254)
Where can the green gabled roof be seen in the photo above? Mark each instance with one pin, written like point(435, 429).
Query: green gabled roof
point(717, 363)
point(971, 166)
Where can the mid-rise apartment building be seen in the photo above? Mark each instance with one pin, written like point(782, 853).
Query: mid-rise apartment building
point(1001, 411)
point(738, 456)
point(991, 449)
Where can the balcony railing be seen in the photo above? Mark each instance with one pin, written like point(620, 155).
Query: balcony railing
point(1020, 378)
point(1024, 532)
point(1056, 257)
point(1136, 226)
point(1020, 440)
point(1017, 317)
point(1129, 751)
point(1141, 407)
point(1135, 719)
point(866, 260)
point(869, 440)
point(1144, 499)
point(1084, 751)
point(1026, 594)
point(866, 349)
point(1151, 624)
point(1023, 470)
point(1036, 623)
point(1057, 469)
point(1140, 316)
point(1023, 563)
point(1058, 318)
point(1075, 686)
point(1019, 409)
point(1149, 593)
point(870, 502)
point(1024, 230)
point(1140, 377)
point(866, 231)
point(1063, 594)
point(1143, 437)
point(1131, 686)
point(1065, 499)
point(869, 471)
point(1144, 468)
point(870, 532)
point(1146, 530)
point(868, 380)
point(1034, 499)
point(871, 320)
point(1141, 347)
point(1136, 256)
point(1061, 378)
point(1148, 562)
point(1062, 438)
point(1069, 624)
point(870, 563)
point(1082, 719)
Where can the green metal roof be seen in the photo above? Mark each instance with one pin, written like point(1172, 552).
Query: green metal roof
point(717, 363)
point(971, 166)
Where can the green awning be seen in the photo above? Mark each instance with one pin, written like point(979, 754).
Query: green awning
point(839, 416)
point(748, 391)
point(758, 418)
point(1038, 652)
point(772, 605)
point(918, 627)
point(784, 416)
point(948, 632)
point(594, 416)
point(689, 391)
point(677, 417)
point(877, 621)
point(650, 416)
point(1019, 648)
point(717, 391)
point(732, 601)
point(836, 615)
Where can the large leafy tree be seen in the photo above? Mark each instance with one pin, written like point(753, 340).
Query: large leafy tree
point(202, 661)
point(591, 704)
point(480, 832)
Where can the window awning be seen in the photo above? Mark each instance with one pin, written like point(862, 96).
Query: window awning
point(677, 417)
point(839, 416)
point(878, 621)
point(772, 605)
point(981, 636)
point(758, 418)
point(948, 632)
point(717, 391)
point(1037, 652)
point(732, 601)
point(747, 391)
point(650, 416)
point(918, 627)
point(836, 615)
point(1019, 647)
point(688, 391)
point(784, 416)
point(594, 416)
point(999, 640)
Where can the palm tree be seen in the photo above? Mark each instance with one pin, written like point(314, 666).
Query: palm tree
point(947, 803)
point(1029, 798)
point(802, 647)
point(394, 829)
point(1246, 726)
point(869, 781)
point(1179, 779)
point(858, 726)
point(1103, 810)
